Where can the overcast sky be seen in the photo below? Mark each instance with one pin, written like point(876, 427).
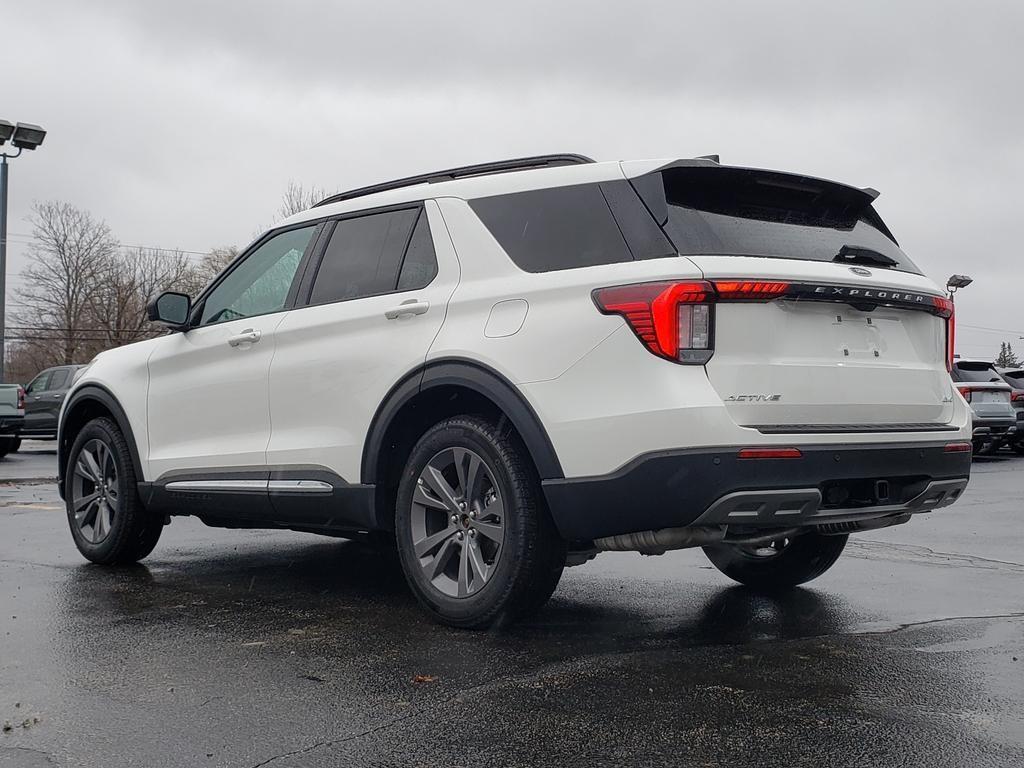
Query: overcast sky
point(181, 123)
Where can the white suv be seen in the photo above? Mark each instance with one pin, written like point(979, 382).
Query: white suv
point(513, 366)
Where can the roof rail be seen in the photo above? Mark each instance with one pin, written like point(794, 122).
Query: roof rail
point(481, 169)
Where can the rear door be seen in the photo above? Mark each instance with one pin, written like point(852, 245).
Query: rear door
point(822, 322)
point(376, 300)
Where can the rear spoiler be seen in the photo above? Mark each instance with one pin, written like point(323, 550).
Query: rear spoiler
point(649, 184)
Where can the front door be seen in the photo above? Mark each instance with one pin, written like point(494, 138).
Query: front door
point(37, 401)
point(209, 417)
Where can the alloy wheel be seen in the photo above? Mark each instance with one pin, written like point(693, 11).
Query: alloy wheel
point(458, 522)
point(95, 492)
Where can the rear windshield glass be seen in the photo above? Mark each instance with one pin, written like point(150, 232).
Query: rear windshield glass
point(1014, 379)
point(975, 372)
point(739, 212)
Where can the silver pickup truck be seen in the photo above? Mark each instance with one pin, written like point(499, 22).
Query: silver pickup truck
point(12, 416)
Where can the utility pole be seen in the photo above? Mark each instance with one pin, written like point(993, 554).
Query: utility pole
point(22, 136)
point(3, 261)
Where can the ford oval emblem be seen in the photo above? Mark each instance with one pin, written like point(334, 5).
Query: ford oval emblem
point(861, 271)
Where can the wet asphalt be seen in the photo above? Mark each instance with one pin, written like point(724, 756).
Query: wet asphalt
point(248, 648)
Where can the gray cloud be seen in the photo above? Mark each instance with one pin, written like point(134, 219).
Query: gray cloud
point(180, 123)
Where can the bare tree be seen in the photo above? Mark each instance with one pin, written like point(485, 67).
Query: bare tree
point(117, 302)
point(211, 265)
point(297, 198)
point(69, 254)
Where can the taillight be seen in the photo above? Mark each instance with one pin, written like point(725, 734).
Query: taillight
point(21, 398)
point(673, 320)
point(945, 308)
point(1017, 395)
point(966, 392)
point(751, 290)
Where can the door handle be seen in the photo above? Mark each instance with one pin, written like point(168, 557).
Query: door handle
point(248, 336)
point(407, 307)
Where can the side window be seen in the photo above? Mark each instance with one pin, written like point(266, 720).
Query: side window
point(58, 379)
point(260, 283)
point(39, 383)
point(363, 256)
point(420, 265)
point(569, 227)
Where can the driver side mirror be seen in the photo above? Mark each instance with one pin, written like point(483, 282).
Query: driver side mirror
point(170, 308)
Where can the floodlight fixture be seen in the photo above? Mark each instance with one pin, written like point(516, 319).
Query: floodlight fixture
point(958, 281)
point(27, 136)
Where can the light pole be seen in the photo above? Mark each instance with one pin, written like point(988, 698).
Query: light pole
point(22, 136)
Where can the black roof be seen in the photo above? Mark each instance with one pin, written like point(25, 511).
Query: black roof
point(481, 169)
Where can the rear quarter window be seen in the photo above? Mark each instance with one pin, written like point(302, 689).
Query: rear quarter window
point(570, 227)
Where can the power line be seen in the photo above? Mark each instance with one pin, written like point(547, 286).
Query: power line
point(23, 239)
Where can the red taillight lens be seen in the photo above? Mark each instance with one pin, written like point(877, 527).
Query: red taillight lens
point(957, 448)
point(944, 308)
point(966, 392)
point(769, 453)
point(751, 290)
point(1017, 395)
point(21, 398)
point(673, 320)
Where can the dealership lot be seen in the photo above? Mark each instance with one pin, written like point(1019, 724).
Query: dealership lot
point(247, 648)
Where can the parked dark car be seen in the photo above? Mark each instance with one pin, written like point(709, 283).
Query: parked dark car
point(1015, 378)
point(44, 396)
point(994, 419)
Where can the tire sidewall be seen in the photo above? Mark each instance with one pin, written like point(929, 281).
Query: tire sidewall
point(495, 592)
point(101, 429)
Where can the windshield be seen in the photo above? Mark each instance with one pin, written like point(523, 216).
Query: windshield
point(739, 212)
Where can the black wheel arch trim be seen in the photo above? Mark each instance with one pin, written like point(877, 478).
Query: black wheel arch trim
point(103, 396)
point(474, 376)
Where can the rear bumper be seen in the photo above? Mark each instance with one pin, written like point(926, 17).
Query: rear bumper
point(828, 483)
point(11, 425)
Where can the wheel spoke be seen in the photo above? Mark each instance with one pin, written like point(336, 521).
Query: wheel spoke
point(437, 564)
point(432, 477)
point(84, 467)
point(467, 466)
point(422, 497)
point(429, 543)
point(102, 524)
point(87, 516)
point(463, 584)
point(81, 504)
point(476, 562)
point(493, 531)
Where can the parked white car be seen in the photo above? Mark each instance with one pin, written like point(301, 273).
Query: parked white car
point(514, 366)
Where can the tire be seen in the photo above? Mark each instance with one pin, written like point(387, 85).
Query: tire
point(16, 445)
point(6, 446)
point(114, 528)
point(797, 561)
point(1019, 449)
point(501, 558)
